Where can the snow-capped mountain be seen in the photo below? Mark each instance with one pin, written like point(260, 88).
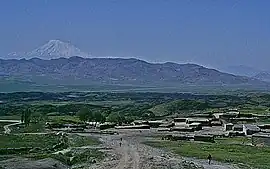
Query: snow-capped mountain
point(51, 50)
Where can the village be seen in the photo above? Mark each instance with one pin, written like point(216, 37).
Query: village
point(196, 127)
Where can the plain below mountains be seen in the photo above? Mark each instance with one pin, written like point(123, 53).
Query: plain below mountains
point(78, 70)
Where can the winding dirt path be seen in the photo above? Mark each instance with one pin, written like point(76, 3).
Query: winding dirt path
point(7, 130)
point(132, 154)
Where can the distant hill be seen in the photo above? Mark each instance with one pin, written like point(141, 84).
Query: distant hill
point(78, 70)
point(263, 76)
point(242, 70)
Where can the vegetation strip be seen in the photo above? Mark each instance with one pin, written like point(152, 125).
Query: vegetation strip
point(225, 150)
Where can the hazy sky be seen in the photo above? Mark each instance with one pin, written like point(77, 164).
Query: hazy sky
point(210, 32)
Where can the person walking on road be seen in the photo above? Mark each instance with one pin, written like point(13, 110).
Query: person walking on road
point(120, 143)
point(209, 159)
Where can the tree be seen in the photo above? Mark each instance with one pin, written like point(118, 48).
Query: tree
point(26, 116)
point(116, 117)
point(98, 117)
point(129, 119)
point(113, 117)
point(37, 117)
point(148, 114)
point(95, 115)
point(84, 114)
point(22, 117)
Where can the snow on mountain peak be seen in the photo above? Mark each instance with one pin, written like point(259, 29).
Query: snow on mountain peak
point(55, 49)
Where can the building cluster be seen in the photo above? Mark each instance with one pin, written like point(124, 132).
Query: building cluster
point(206, 127)
point(197, 127)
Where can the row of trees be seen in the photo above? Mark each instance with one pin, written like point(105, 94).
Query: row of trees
point(119, 118)
point(29, 116)
point(117, 114)
point(85, 114)
point(26, 116)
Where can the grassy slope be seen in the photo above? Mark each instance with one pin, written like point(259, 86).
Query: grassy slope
point(15, 141)
point(32, 128)
point(182, 107)
point(78, 141)
point(15, 117)
point(225, 150)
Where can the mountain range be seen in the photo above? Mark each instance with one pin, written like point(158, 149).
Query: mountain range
point(62, 63)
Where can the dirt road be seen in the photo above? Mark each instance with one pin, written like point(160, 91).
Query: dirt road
point(132, 154)
point(6, 127)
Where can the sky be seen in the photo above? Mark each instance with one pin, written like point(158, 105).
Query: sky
point(212, 33)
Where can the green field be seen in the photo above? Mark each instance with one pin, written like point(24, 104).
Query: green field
point(16, 141)
point(78, 141)
point(14, 117)
point(64, 119)
point(233, 150)
point(42, 146)
point(98, 103)
point(182, 107)
point(43, 140)
point(31, 128)
point(255, 110)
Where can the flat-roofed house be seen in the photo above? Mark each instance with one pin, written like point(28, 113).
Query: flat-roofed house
point(250, 129)
point(228, 115)
point(196, 126)
point(216, 123)
point(238, 127)
point(264, 126)
point(203, 121)
point(180, 120)
point(243, 120)
point(228, 126)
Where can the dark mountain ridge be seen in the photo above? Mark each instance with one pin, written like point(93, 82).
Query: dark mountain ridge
point(117, 71)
